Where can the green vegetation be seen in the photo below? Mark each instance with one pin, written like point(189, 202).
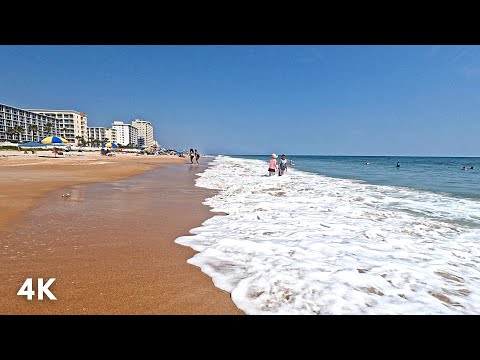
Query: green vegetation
point(81, 140)
point(48, 127)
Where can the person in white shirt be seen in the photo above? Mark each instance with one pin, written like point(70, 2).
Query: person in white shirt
point(282, 166)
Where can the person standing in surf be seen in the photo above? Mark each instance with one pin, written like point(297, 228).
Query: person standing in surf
point(272, 167)
point(191, 156)
point(197, 157)
point(282, 166)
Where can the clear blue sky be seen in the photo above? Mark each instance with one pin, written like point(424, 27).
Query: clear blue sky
point(332, 100)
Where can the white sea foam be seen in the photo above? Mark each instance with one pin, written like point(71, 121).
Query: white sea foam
point(309, 244)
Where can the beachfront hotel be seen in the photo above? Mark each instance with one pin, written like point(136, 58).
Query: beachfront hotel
point(145, 132)
point(25, 125)
point(101, 134)
point(111, 135)
point(127, 134)
point(72, 124)
point(21, 125)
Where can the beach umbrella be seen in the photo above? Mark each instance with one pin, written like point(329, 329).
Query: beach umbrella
point(54, 140)
point(32, 144)
point(109, 145)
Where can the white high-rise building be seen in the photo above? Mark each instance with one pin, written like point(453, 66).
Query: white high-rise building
point(145, 132)
point(23, 125)
point(111, 135)
point(72, 125)
point(126, 133)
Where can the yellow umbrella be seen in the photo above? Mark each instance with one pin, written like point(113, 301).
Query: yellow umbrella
point(54, 140)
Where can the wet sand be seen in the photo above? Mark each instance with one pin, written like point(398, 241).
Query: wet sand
point(111, 248)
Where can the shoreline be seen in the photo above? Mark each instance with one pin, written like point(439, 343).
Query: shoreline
point(309, 244)
point(119, 260)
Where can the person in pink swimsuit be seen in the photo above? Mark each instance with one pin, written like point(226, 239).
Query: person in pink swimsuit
point(272, 167)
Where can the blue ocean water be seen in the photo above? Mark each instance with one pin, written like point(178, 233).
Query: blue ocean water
point(338, 236)
point(436, 174)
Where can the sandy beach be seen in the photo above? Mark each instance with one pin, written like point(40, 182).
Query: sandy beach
point(26, 178)
point(110, 244)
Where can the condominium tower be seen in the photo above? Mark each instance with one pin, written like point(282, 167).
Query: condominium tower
point(126, 133)
point(101, 134)
point(23, 125)
point(111, 135)
point(72, 124)
point(145, 132)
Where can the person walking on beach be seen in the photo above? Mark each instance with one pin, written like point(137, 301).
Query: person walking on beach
point(282, 166)
point(197, 157)
point(191, 156)
point(272, 167)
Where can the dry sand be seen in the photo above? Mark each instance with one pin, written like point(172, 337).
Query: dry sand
point(118, 260)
